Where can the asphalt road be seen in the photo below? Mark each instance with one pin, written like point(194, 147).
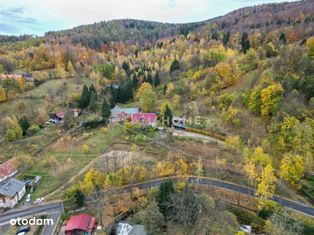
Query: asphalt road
point(53, 210)
point(292, 205)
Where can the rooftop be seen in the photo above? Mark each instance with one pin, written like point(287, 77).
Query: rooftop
point(83, 222)
point(7, 168)
point(11, 187)
point(117, 110)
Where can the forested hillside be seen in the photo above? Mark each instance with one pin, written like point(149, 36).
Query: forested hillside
point(247, 77)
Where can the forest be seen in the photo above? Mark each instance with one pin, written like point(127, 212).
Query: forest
point(247, 76)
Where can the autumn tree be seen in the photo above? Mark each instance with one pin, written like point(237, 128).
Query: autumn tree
point(310, 47)
point(14, 130)
point(145, 86)
point(71, 69)
point(3, 96)
point(292, 169)
point(152, 218)
point(68, 121)
point(148, 100)
point(266, 187)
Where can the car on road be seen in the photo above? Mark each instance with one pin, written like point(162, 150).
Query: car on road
point(39, 200)
point(28, 198)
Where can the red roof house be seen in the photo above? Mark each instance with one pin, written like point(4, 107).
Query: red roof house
point(16, 77)
point(144, 118)
point(80, 224)
point(7, 169)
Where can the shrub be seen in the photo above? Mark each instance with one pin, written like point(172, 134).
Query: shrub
point(85, 148)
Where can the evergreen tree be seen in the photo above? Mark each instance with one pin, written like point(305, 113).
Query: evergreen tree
point(92, 90)
point(79, 198)
point(105, 110)
point(245, 42)
point(165, 89)
point(93, 102)
point(125, 66)
point(168, 117)
point(174, 66)
point(226, 38)
point(156, 80)
point(166, 190)
point(282, 38)
point(149, 79)
point(24, 123)
point(215, 35)
point(85, 98)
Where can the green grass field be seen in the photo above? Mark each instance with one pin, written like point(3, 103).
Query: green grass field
point(65, 158)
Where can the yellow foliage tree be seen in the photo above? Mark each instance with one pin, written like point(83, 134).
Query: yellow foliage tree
point(165, 168)
point(266, 187)
point(181, 167)
point(233, 143)
point(145, 86)
point(310, 47)
point(3, 96)
point(269, 98)
point(292, 169)
point(229, 72)
point(92, 180)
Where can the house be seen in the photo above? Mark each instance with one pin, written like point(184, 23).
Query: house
point(7, 169)
point(16, 77)
point(11, 192)
point(57, 117)
point(130, 229)
point(80, 224)
point(145, 119)
point(120, 114)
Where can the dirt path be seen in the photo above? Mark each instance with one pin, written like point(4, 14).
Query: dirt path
point(108, 153)
point(205, 138)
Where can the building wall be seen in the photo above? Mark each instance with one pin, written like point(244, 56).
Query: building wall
point(7, 202)
point(21, 193)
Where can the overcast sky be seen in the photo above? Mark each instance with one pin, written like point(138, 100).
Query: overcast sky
point(39, 16)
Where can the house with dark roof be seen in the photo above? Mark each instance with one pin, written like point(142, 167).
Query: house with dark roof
point(7, 170)
point(120, 114)
point(11, 192)
point(80, 224)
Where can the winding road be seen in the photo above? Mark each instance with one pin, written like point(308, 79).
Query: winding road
point(53, 210)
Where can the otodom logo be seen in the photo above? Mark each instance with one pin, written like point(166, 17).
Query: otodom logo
point(32, 221)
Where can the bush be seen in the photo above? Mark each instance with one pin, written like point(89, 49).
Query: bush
point(247, 217)
point(93, 124)
point(34, 129)
point(140, 138)
point(85, 148)
point(205, 132)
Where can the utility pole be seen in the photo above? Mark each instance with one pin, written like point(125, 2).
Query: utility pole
point(199, 171)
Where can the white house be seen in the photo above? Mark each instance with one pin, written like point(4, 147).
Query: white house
point(11, 192)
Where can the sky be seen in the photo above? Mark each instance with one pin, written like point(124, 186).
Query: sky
point(39, 16)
